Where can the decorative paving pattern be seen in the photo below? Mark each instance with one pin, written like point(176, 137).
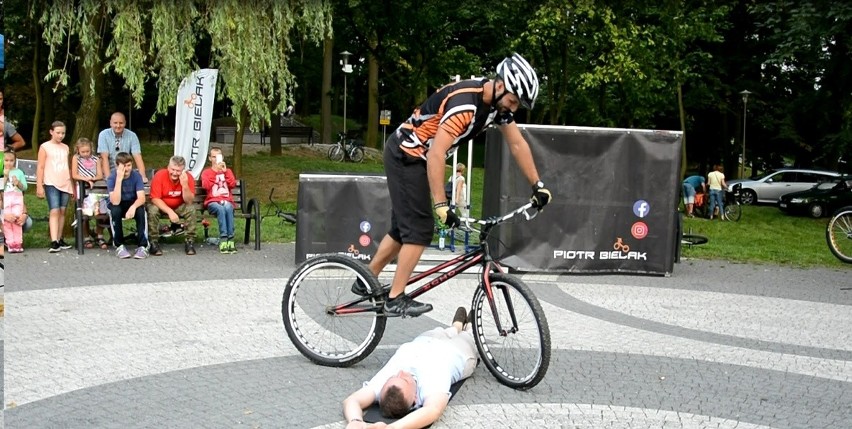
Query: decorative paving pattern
point(157, 346)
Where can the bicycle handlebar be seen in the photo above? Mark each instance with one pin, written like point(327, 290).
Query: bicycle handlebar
point(492, 221)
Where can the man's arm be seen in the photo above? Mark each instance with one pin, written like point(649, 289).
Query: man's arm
point(354, 404)
point(520, 151)
point(17, 141)
point(115, 193)
point(140, 165)
point(432, 408)
point(436, 163)
point(187, 183)
point(105, 163)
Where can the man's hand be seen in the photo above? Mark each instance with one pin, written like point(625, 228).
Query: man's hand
point(357, 424)
point(540, 196)
point(131, 212)
point(173, 217)
point(119, 171)
point(447, 216)
point(184, 180)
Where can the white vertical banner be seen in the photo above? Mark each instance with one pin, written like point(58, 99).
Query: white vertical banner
point(194, 114)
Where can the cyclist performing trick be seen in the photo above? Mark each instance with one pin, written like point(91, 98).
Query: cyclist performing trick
point(415, 156)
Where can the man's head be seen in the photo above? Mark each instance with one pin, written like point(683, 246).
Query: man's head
point(117, 123)
point(518, 82)
point(176, 166)
point(125, 159)
point(398, 394)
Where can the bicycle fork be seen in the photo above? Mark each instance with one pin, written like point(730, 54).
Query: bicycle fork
point(489, 292)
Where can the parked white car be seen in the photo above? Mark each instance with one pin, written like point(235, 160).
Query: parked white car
point(771, 186)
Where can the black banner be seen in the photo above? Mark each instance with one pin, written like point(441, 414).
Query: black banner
point(341, 213)
point(614, 198)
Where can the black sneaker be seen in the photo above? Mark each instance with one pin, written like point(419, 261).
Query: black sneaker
point(54, 247)
point(155, 249)
point(189, 248)
point(178, 229)
point(404, 306)
point(359, 288)
point(63, 245)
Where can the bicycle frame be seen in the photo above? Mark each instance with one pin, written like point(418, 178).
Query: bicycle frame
point(479, 256)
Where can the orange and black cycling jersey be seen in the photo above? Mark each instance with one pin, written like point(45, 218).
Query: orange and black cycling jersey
point(458, 108)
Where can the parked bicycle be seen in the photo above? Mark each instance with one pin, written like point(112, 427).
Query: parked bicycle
point(732, 200)
point(838, 234)
point(275, 210)
point(333, 327)
point(348, 149)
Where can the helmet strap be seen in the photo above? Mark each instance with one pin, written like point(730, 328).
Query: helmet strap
point(494, 98)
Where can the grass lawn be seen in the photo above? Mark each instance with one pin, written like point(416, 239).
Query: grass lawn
point(763, 235)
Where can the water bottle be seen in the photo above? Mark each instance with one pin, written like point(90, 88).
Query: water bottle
point(441, 236)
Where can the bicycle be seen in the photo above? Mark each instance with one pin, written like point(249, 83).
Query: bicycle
point(732, 200)
point(279, 212)
point(346, 149)
point(838, 234)
point(331, 326)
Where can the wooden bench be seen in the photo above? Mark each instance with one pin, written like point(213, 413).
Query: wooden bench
point(245, 207)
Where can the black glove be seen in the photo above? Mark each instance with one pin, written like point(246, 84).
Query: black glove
point(447, 216)
point(540, 196)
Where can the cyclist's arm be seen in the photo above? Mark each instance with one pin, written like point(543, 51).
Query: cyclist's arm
point(436, 163)
point(520, 151)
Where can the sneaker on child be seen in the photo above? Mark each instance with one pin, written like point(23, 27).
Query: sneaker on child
point(122, 252)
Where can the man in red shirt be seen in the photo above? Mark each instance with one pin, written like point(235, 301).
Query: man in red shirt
point(172, 193)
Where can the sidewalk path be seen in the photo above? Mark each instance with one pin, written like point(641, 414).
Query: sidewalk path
point(175, 341)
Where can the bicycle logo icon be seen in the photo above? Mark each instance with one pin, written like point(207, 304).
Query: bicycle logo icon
point(619, 245)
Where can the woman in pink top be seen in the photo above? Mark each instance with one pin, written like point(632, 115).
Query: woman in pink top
point(53, 181)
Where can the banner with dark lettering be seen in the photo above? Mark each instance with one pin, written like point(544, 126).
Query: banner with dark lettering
point(194, 113)
point(346, 214)
point(614, 197)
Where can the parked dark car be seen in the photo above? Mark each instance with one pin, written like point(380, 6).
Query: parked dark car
point(821, 200)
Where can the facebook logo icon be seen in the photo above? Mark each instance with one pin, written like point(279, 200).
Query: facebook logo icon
point(641, 208)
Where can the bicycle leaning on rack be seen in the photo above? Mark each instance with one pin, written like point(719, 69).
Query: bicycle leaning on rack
point(331, 326)
point(838, 234)
point(348, 149)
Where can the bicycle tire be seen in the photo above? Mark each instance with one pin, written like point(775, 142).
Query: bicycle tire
point(838, 234)
point(357, 154)
point(335, 154)
point(733, 212)
point(317, 285)
point(520, 358)
point(693, 239)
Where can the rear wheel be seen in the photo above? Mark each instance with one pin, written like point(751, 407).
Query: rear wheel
point(518, 355)
point(326, 322)
point(838, 234)
point(693, 239)
point(335, 153)
point(733, 212)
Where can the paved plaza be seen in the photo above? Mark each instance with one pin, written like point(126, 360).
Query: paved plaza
point(197, 342)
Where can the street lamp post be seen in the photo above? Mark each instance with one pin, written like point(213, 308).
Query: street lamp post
point(347, 68)
point(745, 94)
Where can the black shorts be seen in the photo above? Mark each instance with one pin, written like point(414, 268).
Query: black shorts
point(412, 221)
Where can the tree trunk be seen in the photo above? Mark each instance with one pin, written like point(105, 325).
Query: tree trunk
point(327, 57)
point(238, 142)
point(37, 85)
point(371, 138)
point(275, 127)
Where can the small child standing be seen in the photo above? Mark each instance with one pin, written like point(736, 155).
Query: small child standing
point(53, 182)
point(13, 203)
point(86, 167)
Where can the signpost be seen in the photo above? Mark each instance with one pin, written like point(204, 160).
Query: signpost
point(384, 121)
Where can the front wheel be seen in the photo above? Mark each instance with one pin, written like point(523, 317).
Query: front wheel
point(693, 239)
point(838, 234)
point(733, 212)
point(357, 154)
point(517, 354)
point(748, 197)
point(326, 322)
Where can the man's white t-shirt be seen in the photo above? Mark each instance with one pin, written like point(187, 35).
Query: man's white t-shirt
point(435, 364)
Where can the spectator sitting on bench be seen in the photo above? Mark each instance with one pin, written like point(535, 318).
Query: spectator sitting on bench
point(218, 180)
point(126, 201)
point(172, 194)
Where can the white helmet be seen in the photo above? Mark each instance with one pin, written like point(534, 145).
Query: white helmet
point(520, 79)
